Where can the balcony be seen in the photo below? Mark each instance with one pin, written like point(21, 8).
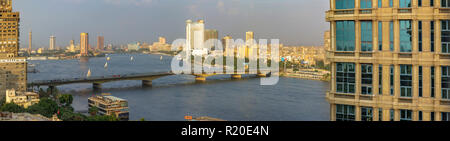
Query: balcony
point(344, 11)
point(343, 95)
point(444, 56)
point(365, 11)
point(344, 54)
point(405, 55)
point(365, 54)
point(366, 97)
point(444, 10)
point(405, 100)
point(404, 10)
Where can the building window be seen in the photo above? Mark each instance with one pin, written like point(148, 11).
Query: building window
point(391, 35)
point(445, 3)
point(345, 112)
point(405, 3)
point(405, 80)
point(380, 36)
point(405, 115)
point(380, 114)
point(432, 82)
point(392, 79)
point(380, 3)
point(405, 36)
point(392, 114)
point(366, 114)
point(445, 36)
point(420, 81)
point(431, 3)
point(420, 3)
point(365, 4)
point(420, 35)
point(345, 36)
point(432, 116)
point(366, 79)
point(345, 4)
point(432, 35)
point(420, 116)
point(366, 36)
point(445, 116)
point(445, 82)
point(380, 79)
point(345, 77)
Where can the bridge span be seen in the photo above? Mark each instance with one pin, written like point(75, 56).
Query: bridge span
point(146, 79)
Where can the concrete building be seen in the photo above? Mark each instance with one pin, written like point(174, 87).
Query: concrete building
point(326, 45)
point(13, 69)
point(24, 99)
point(111, 106)
point(390, 60)
point(195, 36)
point(211, 34)
point(226, 44)
point(100, 42)
point(84, 44)
point(52, 43)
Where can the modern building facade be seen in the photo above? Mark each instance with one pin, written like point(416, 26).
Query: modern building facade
point(100, 42)
point(13, 69)
point(390, 60)
point(195, 36)
point(84, 44)
point(52, 43)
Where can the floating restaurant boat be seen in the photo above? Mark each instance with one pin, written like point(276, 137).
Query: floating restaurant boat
point(110, 105)
point(89, 73)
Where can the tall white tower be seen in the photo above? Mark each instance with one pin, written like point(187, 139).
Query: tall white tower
point(52, 42)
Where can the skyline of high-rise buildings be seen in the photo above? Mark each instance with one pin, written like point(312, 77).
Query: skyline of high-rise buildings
point(84, 44)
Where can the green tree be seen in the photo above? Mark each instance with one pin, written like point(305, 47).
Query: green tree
point(12, 107)
point(45, 107)
point(2, 101)
point(65, 99)
point(93, 111)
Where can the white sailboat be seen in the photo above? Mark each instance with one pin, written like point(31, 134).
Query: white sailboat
point(161, 58)
point(106, 65)
point(89, 73)
point(132, 58)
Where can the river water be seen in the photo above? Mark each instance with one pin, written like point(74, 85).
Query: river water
point(173, 97)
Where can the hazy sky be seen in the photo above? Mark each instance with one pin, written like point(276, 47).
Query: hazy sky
point(294, 22)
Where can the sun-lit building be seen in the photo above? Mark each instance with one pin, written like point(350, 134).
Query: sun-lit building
point(390, 60)
point(25, 99)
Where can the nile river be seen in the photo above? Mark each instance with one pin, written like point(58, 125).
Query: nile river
point(173, 97)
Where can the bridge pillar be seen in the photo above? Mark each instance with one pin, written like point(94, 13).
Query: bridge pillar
point(236, 76)
point(261, 75)
point(51, 89)
point(147, 83)
point(200, 78)
point(97, 86)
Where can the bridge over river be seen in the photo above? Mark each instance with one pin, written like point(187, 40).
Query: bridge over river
point(146, 79)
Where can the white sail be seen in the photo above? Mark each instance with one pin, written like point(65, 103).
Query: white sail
point(132, 58)
point(161, 58)
point(89, 73)
point(106, 65)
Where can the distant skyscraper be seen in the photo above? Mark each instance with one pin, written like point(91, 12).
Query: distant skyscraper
point(100, 42)
point(249, 35)
point(52, 43)
point(195, 36)
point(30, 42)
point(84, 44)
point(72, 46)
point(162, 40)
point(226, 45)
point(211, 34)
